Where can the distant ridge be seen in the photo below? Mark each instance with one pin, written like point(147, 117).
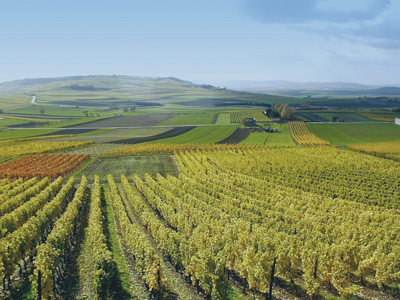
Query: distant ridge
point(274, 87)
point(290, 88)
point(26, 83)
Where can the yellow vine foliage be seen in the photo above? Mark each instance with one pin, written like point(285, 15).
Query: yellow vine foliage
point(239, 116)
point(303, 136)
point(146, 149)
point(32, 147)
point(388, 150)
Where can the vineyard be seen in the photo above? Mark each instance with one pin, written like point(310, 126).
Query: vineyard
point(388, 150)
point(144, 149)
point(42, 165)
point(19, 147)
point(237, 219)
point(303, 136)
point(239, 116)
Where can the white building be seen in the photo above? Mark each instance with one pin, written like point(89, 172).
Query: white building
point(397, 120)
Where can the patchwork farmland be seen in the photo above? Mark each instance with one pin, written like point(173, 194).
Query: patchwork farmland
point(155, 196)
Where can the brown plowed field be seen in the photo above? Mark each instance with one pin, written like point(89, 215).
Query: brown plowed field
point(125, 121)
point(237, 136)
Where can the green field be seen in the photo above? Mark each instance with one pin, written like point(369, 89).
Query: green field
point(280, 138)
point(109, 135)
point(11, 122)
point(256, 138)
point(329, 116)
point(385, 116)
point(348, 117)
point(8, 100)
point(224, 118)
point(358, 133)
point(59, 111)
point(189, 119)
point(201, 135)
point(24, 133)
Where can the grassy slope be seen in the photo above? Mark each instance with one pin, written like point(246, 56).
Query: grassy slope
point(58, 111)
point(255, 138)
point(23, 133)
point(13, 100)
point(224, 118)
point(281, 138)
point(201, 135)
point(358, 133)
point(348, 117)
point(11, 122)
point(108, 135)
point(189, 119)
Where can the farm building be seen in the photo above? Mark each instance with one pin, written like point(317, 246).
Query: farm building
point(397, 120)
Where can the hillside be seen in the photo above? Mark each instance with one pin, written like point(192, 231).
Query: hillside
point(118, 89)
point(281, 87)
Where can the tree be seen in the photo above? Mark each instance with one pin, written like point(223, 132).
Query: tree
point(42, 111)
point(287, 112)
point(279, 107)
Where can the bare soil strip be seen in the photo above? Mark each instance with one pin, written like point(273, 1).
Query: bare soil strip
point(237, 136)
point(125, 121)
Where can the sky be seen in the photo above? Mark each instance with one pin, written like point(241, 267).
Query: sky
point(203, 41)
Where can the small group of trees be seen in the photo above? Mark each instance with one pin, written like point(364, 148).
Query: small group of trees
point(87, 113)
point(281, 110)
point(127, 109)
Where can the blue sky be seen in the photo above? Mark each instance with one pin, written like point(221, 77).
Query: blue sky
point(298, 40)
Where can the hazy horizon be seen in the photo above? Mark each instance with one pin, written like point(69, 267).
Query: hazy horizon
point(302, 41)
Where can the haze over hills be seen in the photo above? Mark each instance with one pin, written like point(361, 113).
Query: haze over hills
point(16, 85)
point(144, 92)
point(282, 87)
point(108, 90)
